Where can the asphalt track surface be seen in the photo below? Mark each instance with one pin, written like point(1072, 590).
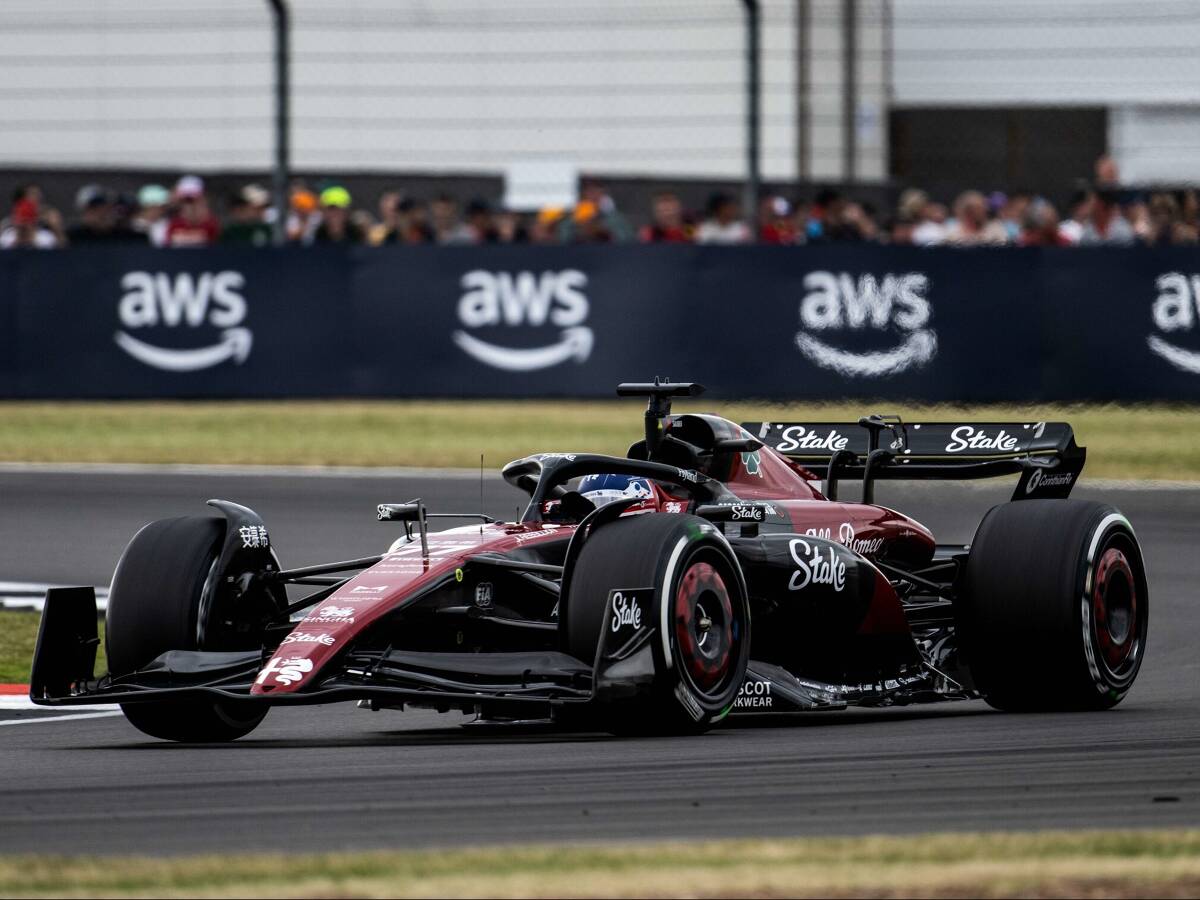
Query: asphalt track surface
point(334, 777)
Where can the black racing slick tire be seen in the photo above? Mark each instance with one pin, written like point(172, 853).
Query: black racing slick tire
point(699, 593)
point(1054, 608)
point(154, 606)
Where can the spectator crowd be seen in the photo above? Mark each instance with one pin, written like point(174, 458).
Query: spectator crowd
point(1100, 212)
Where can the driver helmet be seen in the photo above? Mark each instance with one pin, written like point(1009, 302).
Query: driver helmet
point(602, 489)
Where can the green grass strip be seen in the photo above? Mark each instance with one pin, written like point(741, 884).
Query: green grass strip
point(1126, 863)
point(1134, 442)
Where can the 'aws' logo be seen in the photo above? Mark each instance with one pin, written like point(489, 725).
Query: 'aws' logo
point(1174, 312)
point(161, 301)
point(835, 306)
point(526, 301)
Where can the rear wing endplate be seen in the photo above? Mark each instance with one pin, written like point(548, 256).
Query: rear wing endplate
point(1044, 454)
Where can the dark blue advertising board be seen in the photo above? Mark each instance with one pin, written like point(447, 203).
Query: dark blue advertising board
point(812, 323)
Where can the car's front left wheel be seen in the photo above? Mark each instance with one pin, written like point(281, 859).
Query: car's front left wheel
point(698, 594)
point(155, 605)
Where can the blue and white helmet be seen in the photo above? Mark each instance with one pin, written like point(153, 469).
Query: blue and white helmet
point(602, 489)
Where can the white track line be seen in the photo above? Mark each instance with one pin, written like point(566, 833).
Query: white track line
point(35, 468)
point(468, 474)
point(31, 596)
point(79, 717)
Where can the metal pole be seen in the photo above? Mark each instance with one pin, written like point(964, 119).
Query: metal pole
point(282, 117)
point(849, 89)
point(803, 90)
point(753, 98)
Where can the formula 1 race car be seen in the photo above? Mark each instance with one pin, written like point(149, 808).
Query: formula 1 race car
point(629, 608)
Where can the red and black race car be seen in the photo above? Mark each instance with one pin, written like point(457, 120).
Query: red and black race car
point(715, 579)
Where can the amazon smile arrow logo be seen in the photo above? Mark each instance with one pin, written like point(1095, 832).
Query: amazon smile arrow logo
point(576, 343)
point(235, 344)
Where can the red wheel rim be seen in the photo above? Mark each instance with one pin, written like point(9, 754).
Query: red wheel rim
point(704, 625)
point(1115, 610)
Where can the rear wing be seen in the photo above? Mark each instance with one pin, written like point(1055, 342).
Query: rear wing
point(1044, 454)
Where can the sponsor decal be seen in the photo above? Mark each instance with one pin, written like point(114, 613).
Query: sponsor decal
point(673, 506)
point(525, 300)
point(483, 595)
point(254, 537)
point(688, 475)
point(304, 637)
point(1040, 478)
point(365, 589)
point(546, 457)
point(861, 546)
point(521, 537)
point(332, 614)
point(964, 437)
point(284, 670)
point(797, 437)
point(815, 567)
point(752, 463)
point(748, 513)
point(836, 307)
point(846, 536)
point(626, 611)
point(754, 694)
point(160, 300)
point(1174, 314)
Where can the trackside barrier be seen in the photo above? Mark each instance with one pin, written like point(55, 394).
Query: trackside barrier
point(772, 322)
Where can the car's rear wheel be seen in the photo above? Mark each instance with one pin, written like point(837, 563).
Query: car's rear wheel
point(700, 596)
point(1055, 606)
point(154, 605)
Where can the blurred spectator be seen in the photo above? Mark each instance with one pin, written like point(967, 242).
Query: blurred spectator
point(49, 218)
point(1079, 208)
point(856, 222)
point(819, 219)
point(971, 224)
point(597, 214)
point(247, 214)
point(443, 216)
point(587, 225)
point(303, 217)
point(546, 224)
point(930, 229)
point(1010, 211)
point(776, 221)
point(192, 225)
point(722, 222)
point(667, 225)
point(479, 222)
point(24, 228)
point(98, 219)
point(151, 217)
point(1106, 224)
point(401, 221)
point(510, 228)
point(337, 225)
point(1166, 224)
point(1106, 173)
point(1040, 227)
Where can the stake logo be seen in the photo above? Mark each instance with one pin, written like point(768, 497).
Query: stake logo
point(835, 306)
point(506, 301)
point(1174, 312)
point(158, 300)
